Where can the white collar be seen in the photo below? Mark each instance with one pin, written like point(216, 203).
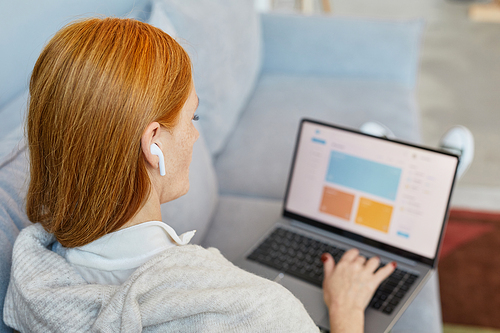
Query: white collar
point(126, 248)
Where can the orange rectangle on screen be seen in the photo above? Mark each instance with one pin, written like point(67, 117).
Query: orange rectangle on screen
point(336, 203)
point(374, 214)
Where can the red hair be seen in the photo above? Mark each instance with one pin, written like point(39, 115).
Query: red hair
point(94, 89)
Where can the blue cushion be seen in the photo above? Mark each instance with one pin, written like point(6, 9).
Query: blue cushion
point(257, 159)
point(342, 47)
point(13, 182)
point(158, 18)
point(194, 211)
point(12, 124)
point(223, 40)
point(26, 26)
point(239, 222)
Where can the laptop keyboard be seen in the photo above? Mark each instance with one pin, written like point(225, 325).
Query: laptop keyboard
point(299, 256)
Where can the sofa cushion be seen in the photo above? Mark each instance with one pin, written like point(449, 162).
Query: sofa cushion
point(239, 222)
point(223, 40)
point(257, 158)
point(12, 116)
point(13, 182)
point(11, 140)
point(27, 25)
point(158, 18)
point(342, 47)
point(194, 211)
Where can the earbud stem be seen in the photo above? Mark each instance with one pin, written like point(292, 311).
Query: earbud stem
point(155, 150)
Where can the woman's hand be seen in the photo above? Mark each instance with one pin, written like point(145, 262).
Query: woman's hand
point(348, 287)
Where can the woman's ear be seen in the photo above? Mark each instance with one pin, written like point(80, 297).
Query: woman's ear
point(151, 136)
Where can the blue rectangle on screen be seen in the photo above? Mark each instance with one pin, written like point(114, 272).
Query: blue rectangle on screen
point(319, 141)
point(403, 234)
point(363, 175)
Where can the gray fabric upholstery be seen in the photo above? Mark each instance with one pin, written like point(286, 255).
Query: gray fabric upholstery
point(12, 116)
point(194, 211)
point(257, 157)
point(239, 222)
point(223, 39)
point(13, 181)
point(26, 25)
point(342, 47)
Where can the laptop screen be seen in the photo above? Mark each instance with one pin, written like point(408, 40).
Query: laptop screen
point(381, 192)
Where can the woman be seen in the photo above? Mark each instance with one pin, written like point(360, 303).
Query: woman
point(111, 136)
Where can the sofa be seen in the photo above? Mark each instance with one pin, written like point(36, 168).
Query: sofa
point(256, 76)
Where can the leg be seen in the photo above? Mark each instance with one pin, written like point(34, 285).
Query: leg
point(459, 140)
point(377, 129)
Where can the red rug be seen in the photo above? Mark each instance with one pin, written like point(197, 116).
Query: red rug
point(469, 269)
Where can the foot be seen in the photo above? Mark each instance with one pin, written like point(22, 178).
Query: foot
point(459, 140)
point(377, 129)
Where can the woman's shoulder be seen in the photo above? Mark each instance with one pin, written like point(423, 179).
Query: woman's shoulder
point(208, 276)
point(193, 267)
point(185, 257)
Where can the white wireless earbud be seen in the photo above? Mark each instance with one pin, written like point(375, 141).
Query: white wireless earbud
point(155, 150)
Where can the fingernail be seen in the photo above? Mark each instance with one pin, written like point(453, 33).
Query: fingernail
point(324, 257)
point(394, 264)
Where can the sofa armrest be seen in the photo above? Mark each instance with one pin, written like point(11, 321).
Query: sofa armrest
point(344, 47)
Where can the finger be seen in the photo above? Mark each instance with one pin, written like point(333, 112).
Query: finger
point(350, 255)
point(360, 260)
point(372, 264)
point(328, 264)
point(384, 272)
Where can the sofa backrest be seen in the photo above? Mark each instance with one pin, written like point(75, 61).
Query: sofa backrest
point(13, 182)
point(223, 39)
point(26, 25)
point(342, 47)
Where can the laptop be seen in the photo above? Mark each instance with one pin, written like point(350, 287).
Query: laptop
point(348, 189)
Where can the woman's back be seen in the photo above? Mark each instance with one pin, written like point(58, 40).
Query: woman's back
point(185, 288)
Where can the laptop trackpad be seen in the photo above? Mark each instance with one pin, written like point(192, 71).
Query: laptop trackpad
point(310, 296)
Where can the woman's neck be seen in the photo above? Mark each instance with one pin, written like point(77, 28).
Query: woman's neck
point(151, 211)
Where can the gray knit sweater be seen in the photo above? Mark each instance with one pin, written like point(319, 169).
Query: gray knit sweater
point(184, 289)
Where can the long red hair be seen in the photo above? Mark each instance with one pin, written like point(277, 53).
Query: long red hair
point(94, 89)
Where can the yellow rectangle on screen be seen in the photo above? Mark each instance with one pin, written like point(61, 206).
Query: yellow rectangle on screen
point(374, 214)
